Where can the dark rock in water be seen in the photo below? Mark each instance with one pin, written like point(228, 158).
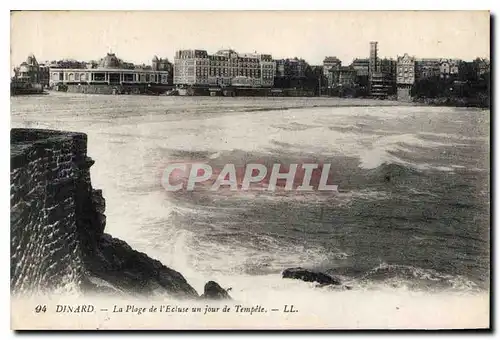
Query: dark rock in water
point(309, 276)
point(133, 272)
point(214, 291)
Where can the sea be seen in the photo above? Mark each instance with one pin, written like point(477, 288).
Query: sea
point(409, 227)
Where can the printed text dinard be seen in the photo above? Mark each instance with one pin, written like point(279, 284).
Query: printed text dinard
point(172, 309)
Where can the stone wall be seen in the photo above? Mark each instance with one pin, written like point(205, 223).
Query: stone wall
point(93, 89)
point(117, 89)
point(404, 93)
point(46, 167)
point(57, 225)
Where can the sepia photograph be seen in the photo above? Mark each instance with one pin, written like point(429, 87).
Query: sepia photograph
point(250, 170)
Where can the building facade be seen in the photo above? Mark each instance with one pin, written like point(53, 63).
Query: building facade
point(381, 74)
point(436, 67)
point(482, 66)
point(361, 66)
point(29, 77)
point(28, 71)
point(161, 64)
point(448, 67)
point(331, 67)
point(110, 71)
point(224, 68)
point(346, 76)
point(383, 81)
point(377, 80)
point(292, 68)
point(373, 61)
point(427, 68)
point(292, 74)
point(44, 72)
point(405, 77)
point(388, 66)
point(382, 85)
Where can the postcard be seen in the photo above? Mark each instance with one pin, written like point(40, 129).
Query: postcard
point(257, 170)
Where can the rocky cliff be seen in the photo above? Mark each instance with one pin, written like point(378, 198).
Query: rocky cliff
point(57, 225)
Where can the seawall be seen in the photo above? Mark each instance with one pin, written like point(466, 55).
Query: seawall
point(57, 225)
point(113, 89)
point(46, 168)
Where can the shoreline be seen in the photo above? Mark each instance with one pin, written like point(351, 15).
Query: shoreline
point(433, 102)
point(452, 102)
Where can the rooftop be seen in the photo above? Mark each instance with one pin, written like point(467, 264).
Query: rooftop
point(110, 61)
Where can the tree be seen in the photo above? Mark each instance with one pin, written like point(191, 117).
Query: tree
point(468, 71)
point(432, 87)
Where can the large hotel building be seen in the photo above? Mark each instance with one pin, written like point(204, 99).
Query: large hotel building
point(197, 68)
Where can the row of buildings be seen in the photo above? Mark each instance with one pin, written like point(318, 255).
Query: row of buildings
point(379, 77)
point(109, 71)
point(385, 77)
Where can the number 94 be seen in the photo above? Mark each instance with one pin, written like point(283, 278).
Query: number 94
point(40, 308)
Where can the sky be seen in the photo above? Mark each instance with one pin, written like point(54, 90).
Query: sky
point(312, 35)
